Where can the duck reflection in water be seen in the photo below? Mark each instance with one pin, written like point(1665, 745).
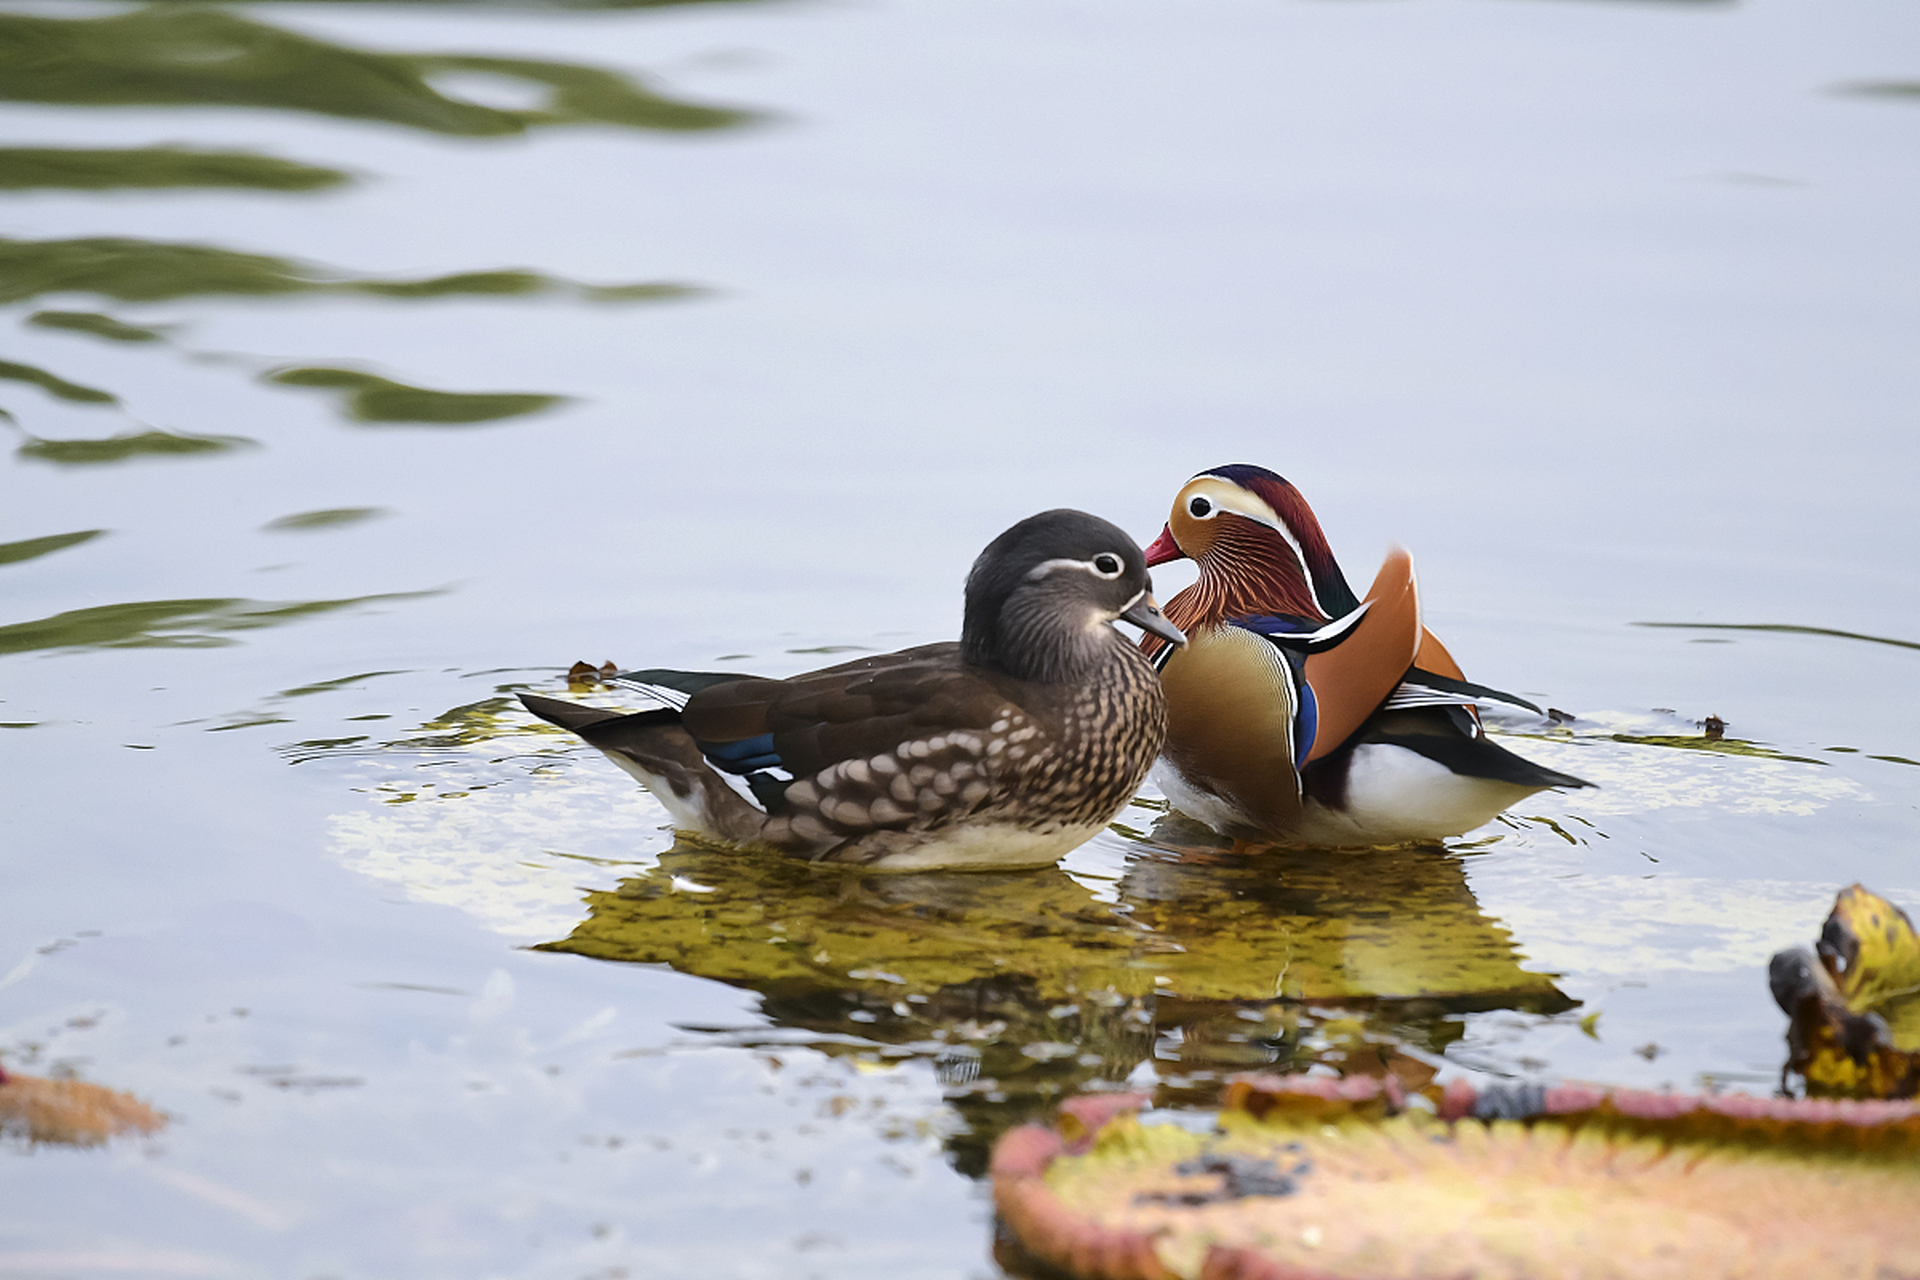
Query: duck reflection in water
point(1201, 958)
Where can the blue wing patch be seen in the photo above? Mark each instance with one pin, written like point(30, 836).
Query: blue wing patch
point(749, 755)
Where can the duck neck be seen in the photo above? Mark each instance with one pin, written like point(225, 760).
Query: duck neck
point(1251, 571)
point(1030, 639)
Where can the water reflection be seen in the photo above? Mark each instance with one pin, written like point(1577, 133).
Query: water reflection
point(53, 384)
point(33, 548)
point(373, 399)
point(122, 448)
point(167, 55)
point(170, 624)
point(132, 270)
point(1022, 987)
point(100, 169)
point(326, 518)
point(100, 326)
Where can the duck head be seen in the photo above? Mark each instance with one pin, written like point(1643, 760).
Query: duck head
point(1258, 546)
point(1043, 596)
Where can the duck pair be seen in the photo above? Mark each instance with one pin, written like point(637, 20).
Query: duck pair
point(1284, 707)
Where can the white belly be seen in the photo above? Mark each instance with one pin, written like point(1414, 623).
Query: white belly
point(1396, 796)
point(981, 847)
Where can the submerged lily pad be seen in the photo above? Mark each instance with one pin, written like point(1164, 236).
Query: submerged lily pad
point(375, 399)
point(1316, 1178)
point(176, 55)
point(153, 270)
point(1854, 1001)
point(33, 548)
point(121, 448)
point(192, 624)
point(100, 169)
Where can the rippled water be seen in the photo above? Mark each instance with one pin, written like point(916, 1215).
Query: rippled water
point(367, 362)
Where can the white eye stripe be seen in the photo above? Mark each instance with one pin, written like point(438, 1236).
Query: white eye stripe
point(1095, 566)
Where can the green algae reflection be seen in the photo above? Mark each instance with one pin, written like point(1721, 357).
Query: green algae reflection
point(53, 384)
point(103, 169)
point(171, 624)
point(127, 447)
point(375, 399)
point(133, 270)
point(34, 548)
point(92, 322)
point(173, 55)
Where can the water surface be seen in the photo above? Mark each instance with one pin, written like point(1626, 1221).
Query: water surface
point(366, 363)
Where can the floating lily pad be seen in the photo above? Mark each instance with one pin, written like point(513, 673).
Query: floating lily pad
point(375, 399)
point(33, 548)
point(176, 624)
point(174, 55)
point(121, 448)
point(1854, 1001)
point(152, 270)
point(1318, 1178)
point(70, 1112)
point(100, 169)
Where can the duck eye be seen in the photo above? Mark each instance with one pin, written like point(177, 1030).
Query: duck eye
point(1199, 508)
point(1108, 565)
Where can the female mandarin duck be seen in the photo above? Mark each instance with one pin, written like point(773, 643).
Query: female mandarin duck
point(1007, 749)
point(1302, 713)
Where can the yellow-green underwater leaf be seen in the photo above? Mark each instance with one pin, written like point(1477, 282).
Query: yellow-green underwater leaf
point(1320, 1179)
point(1854, 1001)
point(1871, 948)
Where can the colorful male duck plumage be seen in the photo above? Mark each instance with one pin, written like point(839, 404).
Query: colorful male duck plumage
point(1299, 711)
point(1005, 750)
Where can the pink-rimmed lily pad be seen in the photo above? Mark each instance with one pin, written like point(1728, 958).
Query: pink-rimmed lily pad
point(1301, 1178)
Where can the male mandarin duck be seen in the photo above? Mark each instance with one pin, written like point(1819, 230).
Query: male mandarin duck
point(1007, 749)
point(1300, 712)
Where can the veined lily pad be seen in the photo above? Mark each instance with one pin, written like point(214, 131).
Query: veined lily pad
point(1299, 1178)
